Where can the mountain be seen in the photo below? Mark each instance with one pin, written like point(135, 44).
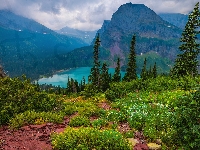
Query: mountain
point(152, 33)
point(10, 20)
point(156, 39)
point(23, 49)
point(176, 19)
point(86, 36)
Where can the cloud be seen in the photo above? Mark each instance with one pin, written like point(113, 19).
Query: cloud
point(86, 14)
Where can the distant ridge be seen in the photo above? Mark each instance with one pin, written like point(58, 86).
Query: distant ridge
point(176, 19)
point(12, 21)
point(86, 36)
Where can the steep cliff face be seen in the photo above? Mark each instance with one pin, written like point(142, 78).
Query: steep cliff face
point(152, 32)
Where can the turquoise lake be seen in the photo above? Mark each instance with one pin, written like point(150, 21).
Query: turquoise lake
point(60, 79)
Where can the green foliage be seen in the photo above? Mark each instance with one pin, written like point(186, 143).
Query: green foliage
point(163, 65)
point(84, 108)
point(187, 120)
point(89, 138)
point(161, 83)
point(186, 63)
point(99, 123)
point(115, 116)
point(105, 78)
point(19, 95)
point(94, 77)
point(144, 74)
point(131, 67)
point(154, 71)
point(117, 76)
point(89, 91)
point(79, 121)
point(32, 117)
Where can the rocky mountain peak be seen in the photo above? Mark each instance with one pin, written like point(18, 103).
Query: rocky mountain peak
point(138, 18)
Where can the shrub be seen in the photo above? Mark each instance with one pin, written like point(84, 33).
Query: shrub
point(19, 95)
point(79, 121)
point(32, 117)
point(89, 138)
point(187, 121)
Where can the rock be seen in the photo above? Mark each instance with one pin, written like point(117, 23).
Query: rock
point(154, 146)
point(133, 141)
point(141, 146)
point(158, 141)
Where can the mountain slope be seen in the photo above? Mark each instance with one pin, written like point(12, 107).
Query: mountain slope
point(23, 48)
point(152, 33)
point(176, 19)
point(86, 36)
point(12, 21)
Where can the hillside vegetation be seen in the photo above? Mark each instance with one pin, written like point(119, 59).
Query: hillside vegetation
point(154, 111)
point(161, 108)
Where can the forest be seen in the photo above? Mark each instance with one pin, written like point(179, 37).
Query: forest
point(162, 108)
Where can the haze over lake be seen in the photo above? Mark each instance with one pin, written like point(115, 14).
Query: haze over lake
point(60, 79)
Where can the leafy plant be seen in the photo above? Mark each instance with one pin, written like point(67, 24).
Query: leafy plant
point(79, 121)
point(187, 120)
point(89, 138)
point(32, 117)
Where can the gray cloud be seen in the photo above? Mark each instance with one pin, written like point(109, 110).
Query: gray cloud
point(85, 14)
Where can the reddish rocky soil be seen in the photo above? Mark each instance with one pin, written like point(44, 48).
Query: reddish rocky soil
point(37, 137)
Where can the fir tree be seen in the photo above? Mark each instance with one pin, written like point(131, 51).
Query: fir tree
point(117, 75)
point(131, 67)
point(186, 62)
point(105, 78)
point(143, 74)
point(154, 71)
point(94, 77)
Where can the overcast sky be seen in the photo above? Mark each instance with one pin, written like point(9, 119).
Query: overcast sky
point(85, 14)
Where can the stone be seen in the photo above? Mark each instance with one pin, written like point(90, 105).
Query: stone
point(133, 141)
point(154, 146)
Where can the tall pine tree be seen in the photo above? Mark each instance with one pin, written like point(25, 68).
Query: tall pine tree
point(154, 72)
point(105, 78)
point(143, 74)
point(94, 77)
point(186, 62)
point(131, 67)
point(117, 75)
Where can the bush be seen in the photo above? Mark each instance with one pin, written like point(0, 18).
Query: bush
point(159, 84)
point(79, 121)
point(32, 117)
point(19, 95)
point(89, 138)
point(187, 121)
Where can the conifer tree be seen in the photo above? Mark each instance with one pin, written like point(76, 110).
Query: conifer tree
point(154, 71)
point(105, 77)
point(144, 70)
point(117, 75)
point(149, 73)
point(131, 67)
point(186, 62)
point(94, 77)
